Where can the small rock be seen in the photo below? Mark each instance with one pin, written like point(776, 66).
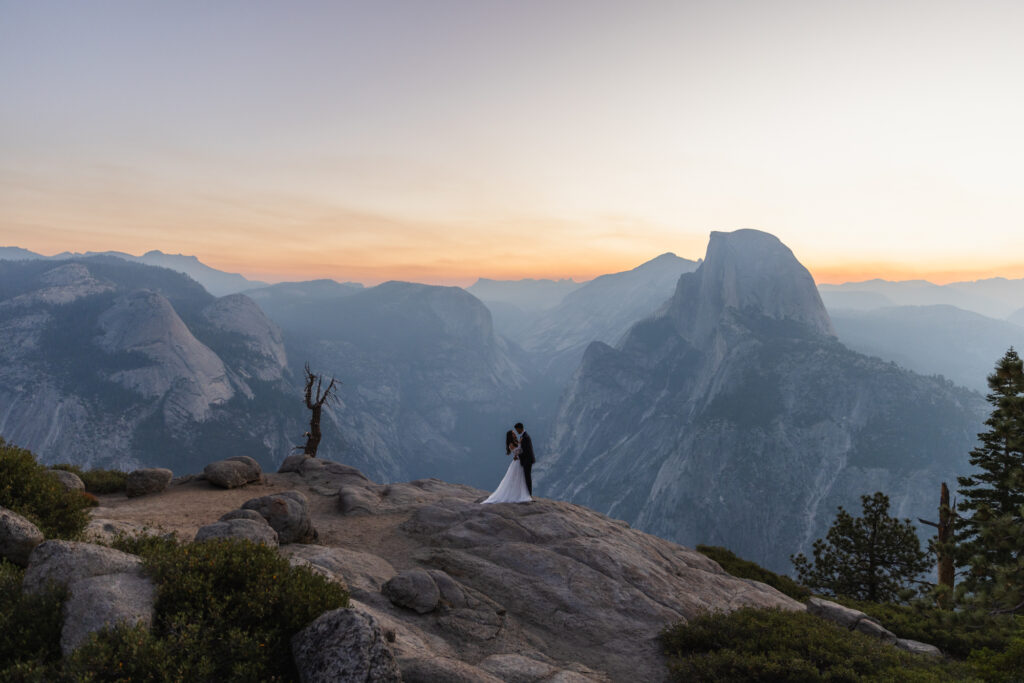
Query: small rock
point(148, 480)
point(18, 537)
point(70, 480)
point(100, 601)
point(288, 513)
point(293, 463)
point(233, 472)
point(413, 588)
point(243, 514)
point(918, 648)
point(870, 627)
point(834, 612)
point(246, 529)
point(341, 646)
point(64, 562)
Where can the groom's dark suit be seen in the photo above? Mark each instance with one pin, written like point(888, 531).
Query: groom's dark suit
point(526, 459)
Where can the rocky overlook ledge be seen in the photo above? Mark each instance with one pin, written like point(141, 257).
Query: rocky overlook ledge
point(466, 592)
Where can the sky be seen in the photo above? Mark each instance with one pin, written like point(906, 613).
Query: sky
point(444, 140)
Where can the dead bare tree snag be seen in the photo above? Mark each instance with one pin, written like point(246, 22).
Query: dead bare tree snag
point(944, 545)
point(316, 397)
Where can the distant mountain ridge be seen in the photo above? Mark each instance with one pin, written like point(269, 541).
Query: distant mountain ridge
point(961, 345)
point(734, 417)
point(994, 297)
point(217, 282)
point(599, 310)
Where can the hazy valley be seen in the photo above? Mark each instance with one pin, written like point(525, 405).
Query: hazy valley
point(716, 400)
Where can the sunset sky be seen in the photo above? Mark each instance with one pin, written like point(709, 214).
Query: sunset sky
point(443, 140)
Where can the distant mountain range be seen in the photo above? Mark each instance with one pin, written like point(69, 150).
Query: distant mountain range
point(215, 281)
point(960, 345)
point(710, 400)
point(995, 297)
point(734, 417)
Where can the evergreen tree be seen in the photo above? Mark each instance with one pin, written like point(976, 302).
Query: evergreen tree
point(990, 539)
point(873, 557)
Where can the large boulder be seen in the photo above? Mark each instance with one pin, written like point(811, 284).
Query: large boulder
point(18, 537)
point(100, 601)
point(233, 472)
point(65, 562)
point(413, 588)
point(341, 646)
point(148, 480)
point(243, 514)
point(247, 529)
point(293, 463)
point(106, 531)
point(847, 617)
point(69, 480)
point(288, 513)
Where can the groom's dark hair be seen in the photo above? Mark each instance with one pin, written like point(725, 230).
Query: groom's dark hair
point(518, 425)
point(510, 438)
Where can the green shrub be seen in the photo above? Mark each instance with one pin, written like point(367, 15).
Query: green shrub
point(28, 490)
point(29, 625)
point(956, 633)
point(226, 610)
point(1000, 667)
point(98, 481)
point(771, 645)
point(745, 569)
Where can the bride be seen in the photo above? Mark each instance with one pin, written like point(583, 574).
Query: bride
point(512, 488)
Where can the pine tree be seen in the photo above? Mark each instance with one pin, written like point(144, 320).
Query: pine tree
point(873, 557)
point(990, 538)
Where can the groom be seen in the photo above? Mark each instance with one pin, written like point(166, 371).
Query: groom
point(526, 458)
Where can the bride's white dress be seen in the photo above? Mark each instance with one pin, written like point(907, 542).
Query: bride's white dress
point(512, 488)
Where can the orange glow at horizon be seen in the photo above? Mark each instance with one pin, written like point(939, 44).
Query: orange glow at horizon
point(939, 274)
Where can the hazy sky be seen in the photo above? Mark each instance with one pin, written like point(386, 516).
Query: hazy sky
point(444, 140)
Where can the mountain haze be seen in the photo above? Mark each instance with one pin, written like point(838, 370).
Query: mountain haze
point(217, 282)
point(428, 387)
point(963, 346)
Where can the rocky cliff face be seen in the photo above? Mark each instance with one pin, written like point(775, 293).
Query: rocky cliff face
point(112, 363)
point(735, 418)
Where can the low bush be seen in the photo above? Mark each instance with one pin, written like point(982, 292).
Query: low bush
point(29, 625)
point(98, 481)
point(772, 645)
point(1006, 666)
point(956, 633)
point(225, 611)
point(26, 489)
point(745, 569)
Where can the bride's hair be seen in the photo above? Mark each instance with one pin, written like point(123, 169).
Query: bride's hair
point(510, 441)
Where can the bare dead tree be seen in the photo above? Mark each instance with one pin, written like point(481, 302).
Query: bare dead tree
point(944, 545)
point(316, 397)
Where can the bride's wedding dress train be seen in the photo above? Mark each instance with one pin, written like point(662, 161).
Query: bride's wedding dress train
point(512, 488)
